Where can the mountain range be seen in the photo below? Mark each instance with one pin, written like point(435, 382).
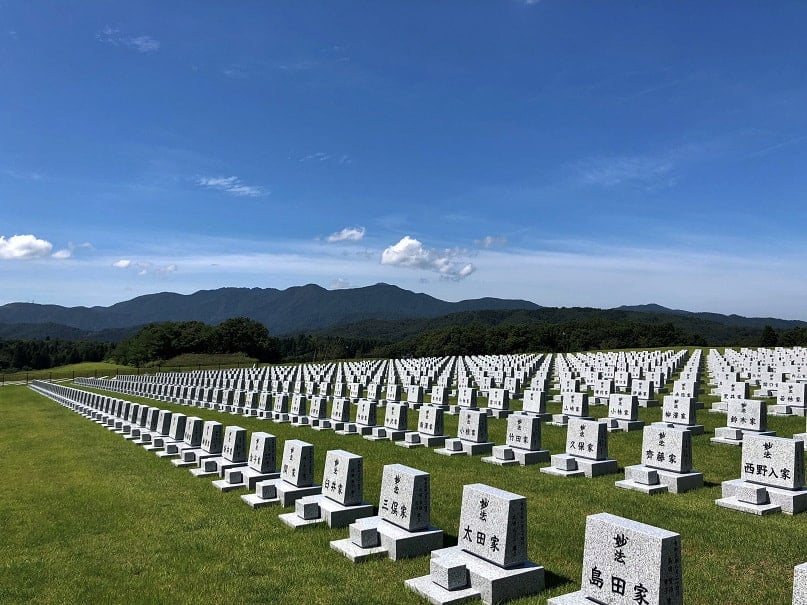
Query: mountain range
point(312, 308)
point(296, 309)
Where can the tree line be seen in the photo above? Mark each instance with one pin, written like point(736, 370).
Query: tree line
point(159, 342)
point(25, 355)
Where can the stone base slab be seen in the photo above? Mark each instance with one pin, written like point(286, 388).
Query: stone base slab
point(395, 542)
point(790, 502)
point(287, 494)
point(489, 582)
point(330, 512)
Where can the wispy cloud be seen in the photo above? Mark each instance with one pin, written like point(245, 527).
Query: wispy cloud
point(339, 284)
point(113, 36)
point(21, 247)
point(24, 175)
point(232, 185)
point(409, 252)
point(71, 248)
point(627, 170)
point(145, 267)
point(348, 234)
point(322, 156)
point(491, 241)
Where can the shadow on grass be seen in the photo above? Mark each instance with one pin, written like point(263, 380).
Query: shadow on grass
point(553, 580)
point(449, 540)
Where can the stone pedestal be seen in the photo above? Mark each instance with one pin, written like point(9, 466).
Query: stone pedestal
point(373, 537)
point(731, 436)
point(447, 583)
point(757, 499)
point(460, 447)
point(312, 510)
point(242, 477)
point(651, 481)
point(277, 491)
point(567, 465)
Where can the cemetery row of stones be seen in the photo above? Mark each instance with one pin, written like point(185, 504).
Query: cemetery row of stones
point(666, 467)
point(479, 566)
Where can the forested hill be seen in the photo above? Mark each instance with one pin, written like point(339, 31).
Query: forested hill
point(704, 331)
point(301, 308)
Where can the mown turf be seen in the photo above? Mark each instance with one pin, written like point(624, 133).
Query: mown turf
point(89, 517)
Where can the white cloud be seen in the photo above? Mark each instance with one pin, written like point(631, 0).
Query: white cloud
point(23, 247)
point(339, 284)
point(142, 44)
point(65, 253)
point(322, 156)
point(348, 234)
point(409, 252)
point(231, 185)
point(491, 241)
point(145, 267)
point(614, 171)
point(319, 156)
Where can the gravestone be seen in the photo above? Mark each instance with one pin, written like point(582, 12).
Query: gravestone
point(148, 426)
point(395, 425)
point(340, 416)
point(472, 435)
point(666, 463)
point(523, 444)
point(365, 419)
point(131, 429)
point(164, 419)
point(393, 392)
point(280, 408)
point(185, 432)
point(429, 433)
point(586, 451)
point(574, 405)
point(403, 527)
point(499, 403)
point(627, 563)
point(602, 389)
point(261, 463)
point(466, 398)
point(209, 447)
point(800, 584)
point(490, 560)
point(318, 411)
point(680, 412)
point(341, 500)
point(296, 478)
point(791, 399)
point(743, 417)
point(298, 413)
point(233, 454)
point(534, 403)
point(439, 396)
point(414, 396)
point(644, 390)
point(623, 413)
point(771, 477)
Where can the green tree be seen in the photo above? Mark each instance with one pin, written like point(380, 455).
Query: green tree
point(769, 337)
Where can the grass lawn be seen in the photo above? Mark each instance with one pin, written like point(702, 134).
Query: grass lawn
point(89, 517)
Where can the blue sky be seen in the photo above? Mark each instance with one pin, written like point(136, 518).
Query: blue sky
point(568, 153)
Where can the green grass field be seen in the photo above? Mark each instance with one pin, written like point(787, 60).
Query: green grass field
point(89, 517)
